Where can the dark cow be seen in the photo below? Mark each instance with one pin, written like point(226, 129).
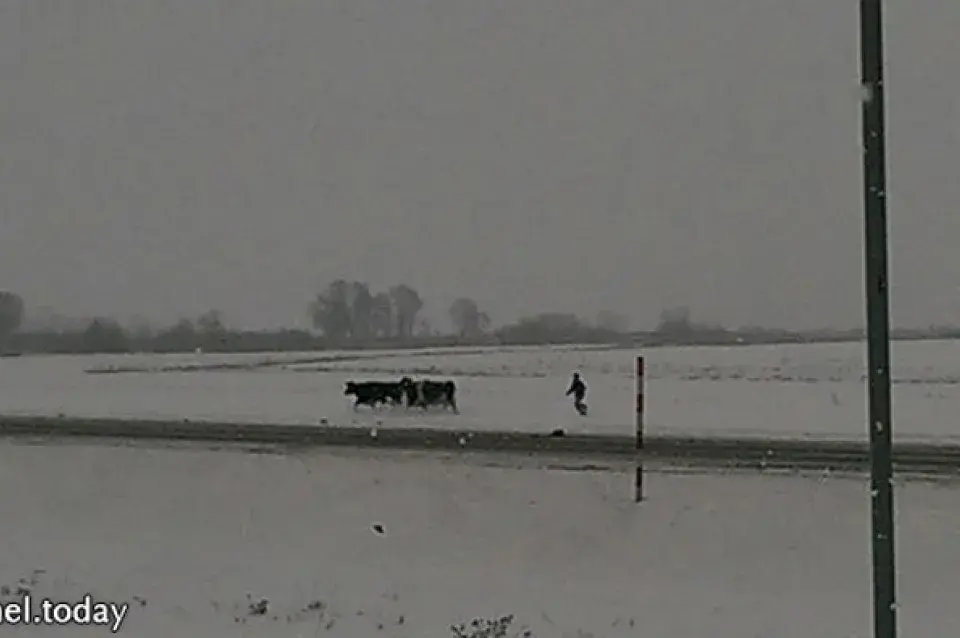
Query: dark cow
point(424, 393)
point(374, 392)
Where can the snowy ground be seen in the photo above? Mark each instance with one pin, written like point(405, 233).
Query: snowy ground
point(773, 390)
point(196, 535)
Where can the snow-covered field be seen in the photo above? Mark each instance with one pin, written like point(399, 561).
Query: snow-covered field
point(405, 546)
point(773, 390)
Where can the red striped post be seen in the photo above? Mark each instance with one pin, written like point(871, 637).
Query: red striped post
point(638, 479)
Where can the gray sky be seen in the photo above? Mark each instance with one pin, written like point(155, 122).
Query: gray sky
point(163, 158)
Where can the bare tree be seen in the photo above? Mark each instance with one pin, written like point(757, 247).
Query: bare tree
point(467, 317)
point(361, 311)
point(211, 330)
point(178, 338)
point(407, 304)
point(210, 323)
point(11, 314)
point(105, 335)
point(331, 310)
point(381, 315)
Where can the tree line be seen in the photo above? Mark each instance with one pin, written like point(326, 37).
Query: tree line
point(344, 314)
point(351, 311)
point(350, 314)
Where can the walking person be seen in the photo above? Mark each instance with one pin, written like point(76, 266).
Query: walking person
point(579, 391)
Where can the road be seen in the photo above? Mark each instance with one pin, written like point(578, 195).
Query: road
point(760, 453)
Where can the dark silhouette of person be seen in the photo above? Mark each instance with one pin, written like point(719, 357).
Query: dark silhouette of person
point(579, 391)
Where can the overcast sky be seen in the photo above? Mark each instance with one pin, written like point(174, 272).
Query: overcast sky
point(163, 158)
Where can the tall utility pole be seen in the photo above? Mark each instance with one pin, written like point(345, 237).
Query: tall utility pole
point(880, 420)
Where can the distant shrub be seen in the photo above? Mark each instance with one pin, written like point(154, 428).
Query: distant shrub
point(486, 628)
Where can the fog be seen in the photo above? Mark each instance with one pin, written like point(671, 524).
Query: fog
point(164, 158)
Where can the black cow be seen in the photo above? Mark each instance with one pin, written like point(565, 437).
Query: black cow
point(424, 393)
point(374, 392)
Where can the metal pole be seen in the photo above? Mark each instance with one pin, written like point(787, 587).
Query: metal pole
point(638, 476)
point(880, 419)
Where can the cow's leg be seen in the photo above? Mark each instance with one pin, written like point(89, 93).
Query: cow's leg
point(452, 404)
point(421, 395)
point(409, 399)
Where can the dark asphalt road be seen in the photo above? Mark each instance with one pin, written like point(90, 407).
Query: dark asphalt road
point(680, 450)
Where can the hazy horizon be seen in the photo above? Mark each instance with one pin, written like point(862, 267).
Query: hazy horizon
point(162, 159)
point(49, 318)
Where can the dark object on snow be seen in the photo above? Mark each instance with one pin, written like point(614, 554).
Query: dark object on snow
point(558, 432)
point(424, 393)
point(378, 528)
point(579, 391)
point(373, 393)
